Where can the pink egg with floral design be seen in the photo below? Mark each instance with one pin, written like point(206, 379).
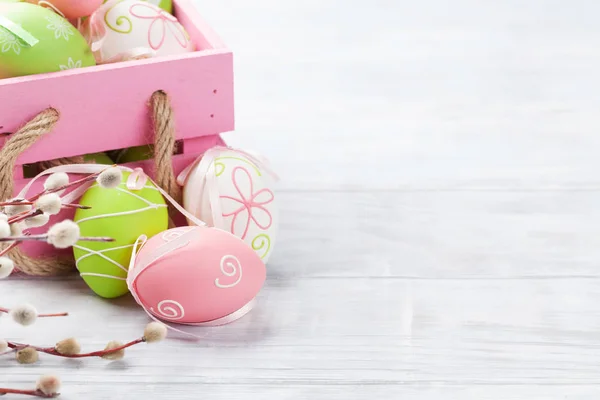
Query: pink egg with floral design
point(195, 275)
point(123, 30)
point(233, 190)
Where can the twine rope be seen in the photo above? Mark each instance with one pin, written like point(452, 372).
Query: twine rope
point(44, 123)
point(164, 145)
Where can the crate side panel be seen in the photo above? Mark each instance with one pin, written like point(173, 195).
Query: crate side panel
point(109, 108)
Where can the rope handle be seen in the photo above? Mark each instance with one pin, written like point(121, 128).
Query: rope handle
point(42, 124)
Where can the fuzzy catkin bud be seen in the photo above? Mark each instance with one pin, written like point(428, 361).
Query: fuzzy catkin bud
point(49, 385)
point(49, 203)
point(17, 209)
point(7, 266)
point(24, 315)
point(68, 347)
point(56, 180)
point(4, 229)
point(36, 221)
point(110, 178)
point(117, 355)
point(155, 332)
point(28, 355)
point(63, 234)
point(3, 345)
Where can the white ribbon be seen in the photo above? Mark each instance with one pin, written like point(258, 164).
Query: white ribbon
point(206, 169)
point(95, 168)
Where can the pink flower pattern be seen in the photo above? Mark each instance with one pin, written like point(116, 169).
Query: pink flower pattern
point(249, 206)
point(161, 21)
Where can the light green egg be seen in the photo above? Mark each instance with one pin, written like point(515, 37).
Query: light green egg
point(123, 215)
point(132, 154)
point(166, 5)
point(98, 158)
point(36, 40)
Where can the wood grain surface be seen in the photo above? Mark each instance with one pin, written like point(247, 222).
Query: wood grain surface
point(440, 213)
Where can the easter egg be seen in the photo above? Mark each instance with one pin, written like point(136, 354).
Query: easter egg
point(193, 275)
point(76, 8)
point(98, 158)
point(122, 214)
point(128, 29)
point(244, 201)
point(132, 154)
point(166, 5)
point(35, 40)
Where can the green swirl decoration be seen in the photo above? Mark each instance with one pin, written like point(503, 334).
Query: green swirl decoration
point(235, 158)
point(120, 21)
point(220, 168)
point(259, 242)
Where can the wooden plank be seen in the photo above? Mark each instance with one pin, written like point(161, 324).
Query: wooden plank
point(438, 235)
point(439, 216)
point(391, 335)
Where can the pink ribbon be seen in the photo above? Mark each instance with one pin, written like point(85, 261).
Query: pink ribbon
point(136, 180)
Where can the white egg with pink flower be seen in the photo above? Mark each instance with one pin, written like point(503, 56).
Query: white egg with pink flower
point(233, 190)
point(123, 30)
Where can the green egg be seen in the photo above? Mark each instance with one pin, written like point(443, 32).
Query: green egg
point(123, 215)
point(138, 153)
point(166, 5)
point(36, 40)
point(98, 158)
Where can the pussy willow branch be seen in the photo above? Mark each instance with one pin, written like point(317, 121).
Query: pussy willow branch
point(35, 393)
point(45, 237)
point(81, 181)
point(52, 350)
point(63, 314)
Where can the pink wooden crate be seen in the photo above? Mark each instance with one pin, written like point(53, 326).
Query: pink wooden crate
point(106, 107)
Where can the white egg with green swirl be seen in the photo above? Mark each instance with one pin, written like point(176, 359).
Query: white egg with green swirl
point(234, 191)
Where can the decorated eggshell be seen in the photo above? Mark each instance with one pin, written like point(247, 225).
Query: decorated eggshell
point(246, 205)
point(98, 158)
point(166, 5)
point(123, 215)
point(193, 275)
point(128, 29)
point(76, 8)
point(132, 154)
point(35, 40)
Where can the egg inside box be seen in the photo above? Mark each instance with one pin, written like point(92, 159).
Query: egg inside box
point(105, 108)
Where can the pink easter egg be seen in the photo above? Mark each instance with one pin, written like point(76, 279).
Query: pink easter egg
point(193, 275)
point(76, 8)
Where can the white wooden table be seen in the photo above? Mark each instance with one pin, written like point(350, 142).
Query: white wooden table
point(440, 233)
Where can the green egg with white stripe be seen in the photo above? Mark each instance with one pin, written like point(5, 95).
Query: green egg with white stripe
point(123, 215)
